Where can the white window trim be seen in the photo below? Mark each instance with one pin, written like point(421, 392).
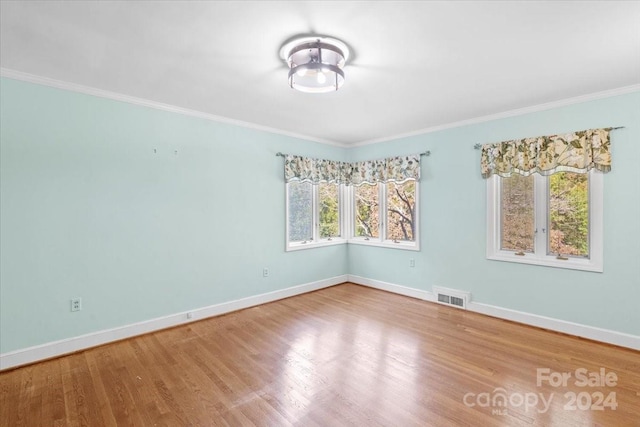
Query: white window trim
point(596, 206)
point(317, 242)
point(380, 241)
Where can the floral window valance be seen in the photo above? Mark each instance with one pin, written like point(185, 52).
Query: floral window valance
point(393, 169)
point(305, 169)
point(573, 152)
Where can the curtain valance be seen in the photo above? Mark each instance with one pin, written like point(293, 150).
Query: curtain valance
point(573, 152)
point(393, 169)
point(305, 169)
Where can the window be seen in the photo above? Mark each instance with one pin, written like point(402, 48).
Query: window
point(372, 202)
point(385, 214)
point(517, 213)
point(329, 210)
point(367, 210)
point(401, 204)
point(300, 213)
point(324, 214)
point(551, 220)
point(313, 215)
point(568, 214)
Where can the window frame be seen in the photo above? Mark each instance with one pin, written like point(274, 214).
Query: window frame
point(316, 241)
point(381, 241)
point(346, 215)
point(540, 255)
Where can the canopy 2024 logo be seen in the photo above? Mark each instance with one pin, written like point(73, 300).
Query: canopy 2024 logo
point(594, 400)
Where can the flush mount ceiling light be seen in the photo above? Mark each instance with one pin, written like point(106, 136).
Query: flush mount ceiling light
point(315, 63)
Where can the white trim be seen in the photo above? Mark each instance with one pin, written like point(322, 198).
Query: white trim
point(393, 288)
point(299, 246)
point(58, 348)
point(49, 350)
point(45, 81)
point(505, 114)
point(59, 84)
point(403, 245)
point(576, 329)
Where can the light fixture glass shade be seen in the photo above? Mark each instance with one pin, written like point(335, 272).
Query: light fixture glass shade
point(315, 63)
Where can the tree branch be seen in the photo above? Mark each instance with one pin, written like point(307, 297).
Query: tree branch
point(406, 218)
point(365, 225)
point(406, 201)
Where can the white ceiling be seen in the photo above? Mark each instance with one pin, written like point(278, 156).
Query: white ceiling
point(416, 65)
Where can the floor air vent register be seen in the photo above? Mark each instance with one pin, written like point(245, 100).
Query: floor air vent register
point(452, 297)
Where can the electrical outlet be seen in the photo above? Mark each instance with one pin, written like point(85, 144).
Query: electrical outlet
point(412, 262)
point(76, 304)
point(265, 272)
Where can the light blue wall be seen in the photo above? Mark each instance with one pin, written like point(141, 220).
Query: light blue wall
point(87, 209)
point(452, 200)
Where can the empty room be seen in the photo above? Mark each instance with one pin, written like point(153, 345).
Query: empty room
point(319, 213)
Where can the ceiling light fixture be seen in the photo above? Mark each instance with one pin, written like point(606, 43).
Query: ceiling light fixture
point(315, 63)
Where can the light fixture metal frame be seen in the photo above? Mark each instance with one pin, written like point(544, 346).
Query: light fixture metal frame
point(320, 43)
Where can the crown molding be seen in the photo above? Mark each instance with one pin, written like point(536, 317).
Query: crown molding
point(59, 84)
point(509, 113)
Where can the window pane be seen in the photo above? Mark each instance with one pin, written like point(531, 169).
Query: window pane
point(329, 212)
point(569, 214)
point(366, 210)
point(401, 203)
point(300, 212)
point(517, 222)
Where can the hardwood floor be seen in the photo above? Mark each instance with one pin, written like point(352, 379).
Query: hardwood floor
point(342, 356)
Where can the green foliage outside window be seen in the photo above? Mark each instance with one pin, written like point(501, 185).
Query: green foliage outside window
point(569, 214)
point(329, 210)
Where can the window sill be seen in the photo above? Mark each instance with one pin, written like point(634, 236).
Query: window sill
point(298, 246)
point(407, 246)
point(549, 261)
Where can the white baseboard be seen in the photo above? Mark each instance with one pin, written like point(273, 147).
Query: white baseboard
point(58, 348)
point(590, 332)
point(393, 288)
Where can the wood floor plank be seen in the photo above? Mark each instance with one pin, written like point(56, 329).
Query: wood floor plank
point(342, 356)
